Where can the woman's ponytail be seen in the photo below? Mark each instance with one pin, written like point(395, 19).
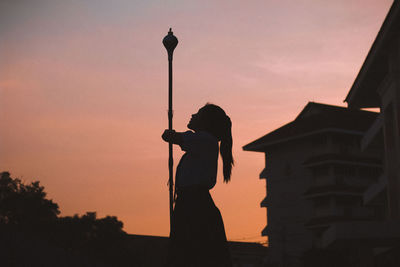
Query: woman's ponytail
point(226, 149)
point(219, 124)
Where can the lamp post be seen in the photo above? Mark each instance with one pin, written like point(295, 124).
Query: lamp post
point(170, 42)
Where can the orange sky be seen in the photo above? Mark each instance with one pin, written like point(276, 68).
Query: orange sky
point(83, 92)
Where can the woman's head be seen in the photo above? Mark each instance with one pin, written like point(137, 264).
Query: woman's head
point(213, 119)
point(210, 118)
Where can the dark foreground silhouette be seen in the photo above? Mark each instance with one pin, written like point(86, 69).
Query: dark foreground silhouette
point(32, 233)
point(197, 235)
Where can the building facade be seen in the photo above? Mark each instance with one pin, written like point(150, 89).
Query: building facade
point(315, 174)
point(377, 85)
point(350, 176)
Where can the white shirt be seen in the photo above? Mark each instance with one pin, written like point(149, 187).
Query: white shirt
point(198, 166)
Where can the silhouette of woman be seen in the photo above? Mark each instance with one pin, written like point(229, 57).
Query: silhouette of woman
point(197, 235)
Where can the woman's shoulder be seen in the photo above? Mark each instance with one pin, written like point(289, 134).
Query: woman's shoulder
point(200, 135)
point(199, 140)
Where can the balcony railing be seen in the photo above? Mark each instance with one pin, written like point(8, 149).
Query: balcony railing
point(336, 189)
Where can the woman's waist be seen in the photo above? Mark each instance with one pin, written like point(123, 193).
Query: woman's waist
point(191, 189)
point(193, 195)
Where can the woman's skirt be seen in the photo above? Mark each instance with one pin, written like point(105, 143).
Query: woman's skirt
point(197, 236)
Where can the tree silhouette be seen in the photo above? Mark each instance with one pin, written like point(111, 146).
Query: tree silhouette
point(88, 232)
point(32, 233)
point(24, 205)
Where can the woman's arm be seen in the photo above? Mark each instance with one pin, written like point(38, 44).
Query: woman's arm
point(172, 136)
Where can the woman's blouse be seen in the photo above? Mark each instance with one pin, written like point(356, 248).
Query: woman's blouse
point(198, 166)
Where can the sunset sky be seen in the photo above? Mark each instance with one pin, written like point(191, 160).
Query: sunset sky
point(83, 92)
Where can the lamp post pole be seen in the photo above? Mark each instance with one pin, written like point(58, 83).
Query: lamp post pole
point(170, 42)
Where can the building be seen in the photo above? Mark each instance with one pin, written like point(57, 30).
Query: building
point(315, 174)
point(354, 192)
point(152, 251)
point(377, 85)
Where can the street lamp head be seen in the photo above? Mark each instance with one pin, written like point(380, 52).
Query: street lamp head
point(170, 42)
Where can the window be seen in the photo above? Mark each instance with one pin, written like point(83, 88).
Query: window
point(344, 171)
point(320, 171)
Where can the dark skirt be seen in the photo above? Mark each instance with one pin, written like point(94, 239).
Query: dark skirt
point(197, 236)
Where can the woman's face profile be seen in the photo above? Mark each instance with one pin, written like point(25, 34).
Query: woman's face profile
point(196, 121)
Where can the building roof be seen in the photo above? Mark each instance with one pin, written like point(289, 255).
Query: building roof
point(313, 119)
point(363, 93)
point(264, 203)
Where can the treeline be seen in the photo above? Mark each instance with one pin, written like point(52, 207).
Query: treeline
point(33, 234)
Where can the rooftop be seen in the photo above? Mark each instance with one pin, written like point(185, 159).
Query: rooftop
point(363, 93)
point(313, 119)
